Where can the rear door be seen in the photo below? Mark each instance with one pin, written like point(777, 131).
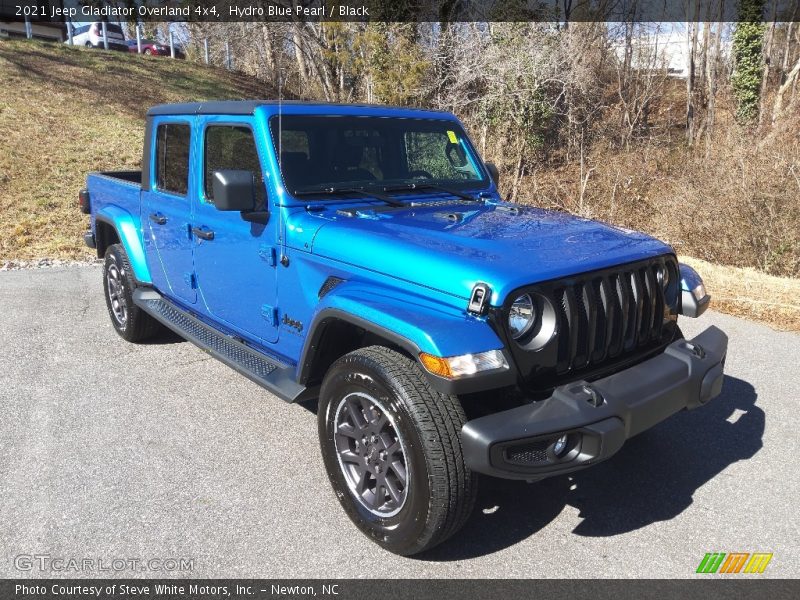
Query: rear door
point(114, 33)
point(167, 209)
point(236, 270)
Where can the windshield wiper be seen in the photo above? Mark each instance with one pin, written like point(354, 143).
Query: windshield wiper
point(332, 191)
point(430, 186)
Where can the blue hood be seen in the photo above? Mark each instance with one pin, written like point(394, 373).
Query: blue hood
point(450, 248)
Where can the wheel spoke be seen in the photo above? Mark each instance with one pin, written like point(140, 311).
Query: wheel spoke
point(394, 447)
point(395, 493)
point(399, 469)
point(380, 495)
point(379, 423)
point(349, 456)
point(348, 430)
point(361, 481)
point(355, 415)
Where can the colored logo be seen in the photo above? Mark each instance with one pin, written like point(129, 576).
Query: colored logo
point(734, 562)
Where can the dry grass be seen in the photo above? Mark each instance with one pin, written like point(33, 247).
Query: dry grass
point(748, 293)
point(732, 200)
point(67, 111)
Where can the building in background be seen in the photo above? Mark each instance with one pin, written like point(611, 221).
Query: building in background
point(51, 30)
point(664, 47)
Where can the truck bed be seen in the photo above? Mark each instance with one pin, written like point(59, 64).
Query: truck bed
point(115, 193)
point(127, 176)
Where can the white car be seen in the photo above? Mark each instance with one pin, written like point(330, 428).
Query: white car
point(91, 36)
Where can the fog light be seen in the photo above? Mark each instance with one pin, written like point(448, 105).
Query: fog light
point(561, 445)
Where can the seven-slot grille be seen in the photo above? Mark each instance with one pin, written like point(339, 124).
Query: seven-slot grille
point(603, 316)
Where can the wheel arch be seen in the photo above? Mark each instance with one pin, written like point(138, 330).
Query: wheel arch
point(335, 333)
point(105, 235)
point(114, 225)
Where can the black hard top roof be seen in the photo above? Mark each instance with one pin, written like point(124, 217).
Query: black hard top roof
point(248, 107)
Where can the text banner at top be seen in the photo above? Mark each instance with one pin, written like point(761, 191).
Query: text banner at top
point(399, 10)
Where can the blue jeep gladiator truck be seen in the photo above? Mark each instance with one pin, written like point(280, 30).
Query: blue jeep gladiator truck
point(361, 256)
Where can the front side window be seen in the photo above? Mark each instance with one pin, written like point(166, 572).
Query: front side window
point(231, 147)
point(319, 152)
point(172, 157)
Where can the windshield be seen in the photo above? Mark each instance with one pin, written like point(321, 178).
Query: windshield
point(331, 152)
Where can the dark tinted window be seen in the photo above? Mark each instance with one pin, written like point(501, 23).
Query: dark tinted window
point(172, 157)
point(431, 152)
point(112, 29)
point(231, 147)
point(322, 152)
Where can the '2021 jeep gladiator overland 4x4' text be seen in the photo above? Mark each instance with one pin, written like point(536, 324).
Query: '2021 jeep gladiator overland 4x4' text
point(362, 256)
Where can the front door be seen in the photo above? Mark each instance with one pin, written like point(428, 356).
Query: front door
point(167, 211)
point(236, 270)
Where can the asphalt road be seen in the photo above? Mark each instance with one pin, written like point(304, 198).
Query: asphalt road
point(110, 450)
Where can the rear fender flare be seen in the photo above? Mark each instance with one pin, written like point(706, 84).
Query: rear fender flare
point(128, 230)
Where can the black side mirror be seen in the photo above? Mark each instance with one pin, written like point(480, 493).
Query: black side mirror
point(494, 173)
point(456, 155)
point(234, 190)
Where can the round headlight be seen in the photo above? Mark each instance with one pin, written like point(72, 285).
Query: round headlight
point(521, 316)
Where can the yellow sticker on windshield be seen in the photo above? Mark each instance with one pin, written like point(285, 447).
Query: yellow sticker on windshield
point(451, 135)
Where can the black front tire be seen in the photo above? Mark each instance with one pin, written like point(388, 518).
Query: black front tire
point(439, 491)
point(128, 320)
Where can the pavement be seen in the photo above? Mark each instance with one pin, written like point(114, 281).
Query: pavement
point(113, 451)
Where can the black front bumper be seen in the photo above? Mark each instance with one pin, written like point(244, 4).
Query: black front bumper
point(593, 420)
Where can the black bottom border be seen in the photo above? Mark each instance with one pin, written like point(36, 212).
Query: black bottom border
point(398, 589)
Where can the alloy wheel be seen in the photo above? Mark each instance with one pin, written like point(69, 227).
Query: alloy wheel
point(371, 454)
point(116, 294)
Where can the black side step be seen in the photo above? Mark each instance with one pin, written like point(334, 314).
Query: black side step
point(266, 371)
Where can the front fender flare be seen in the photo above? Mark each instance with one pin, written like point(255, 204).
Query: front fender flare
point(128, 230)
point(413, 323)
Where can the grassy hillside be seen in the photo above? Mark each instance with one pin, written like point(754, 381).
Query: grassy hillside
point(65, 111)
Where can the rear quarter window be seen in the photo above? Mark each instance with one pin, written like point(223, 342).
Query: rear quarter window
point(173, 141)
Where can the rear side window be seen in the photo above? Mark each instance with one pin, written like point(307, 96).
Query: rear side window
point(172, 158)
point(231, 147)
